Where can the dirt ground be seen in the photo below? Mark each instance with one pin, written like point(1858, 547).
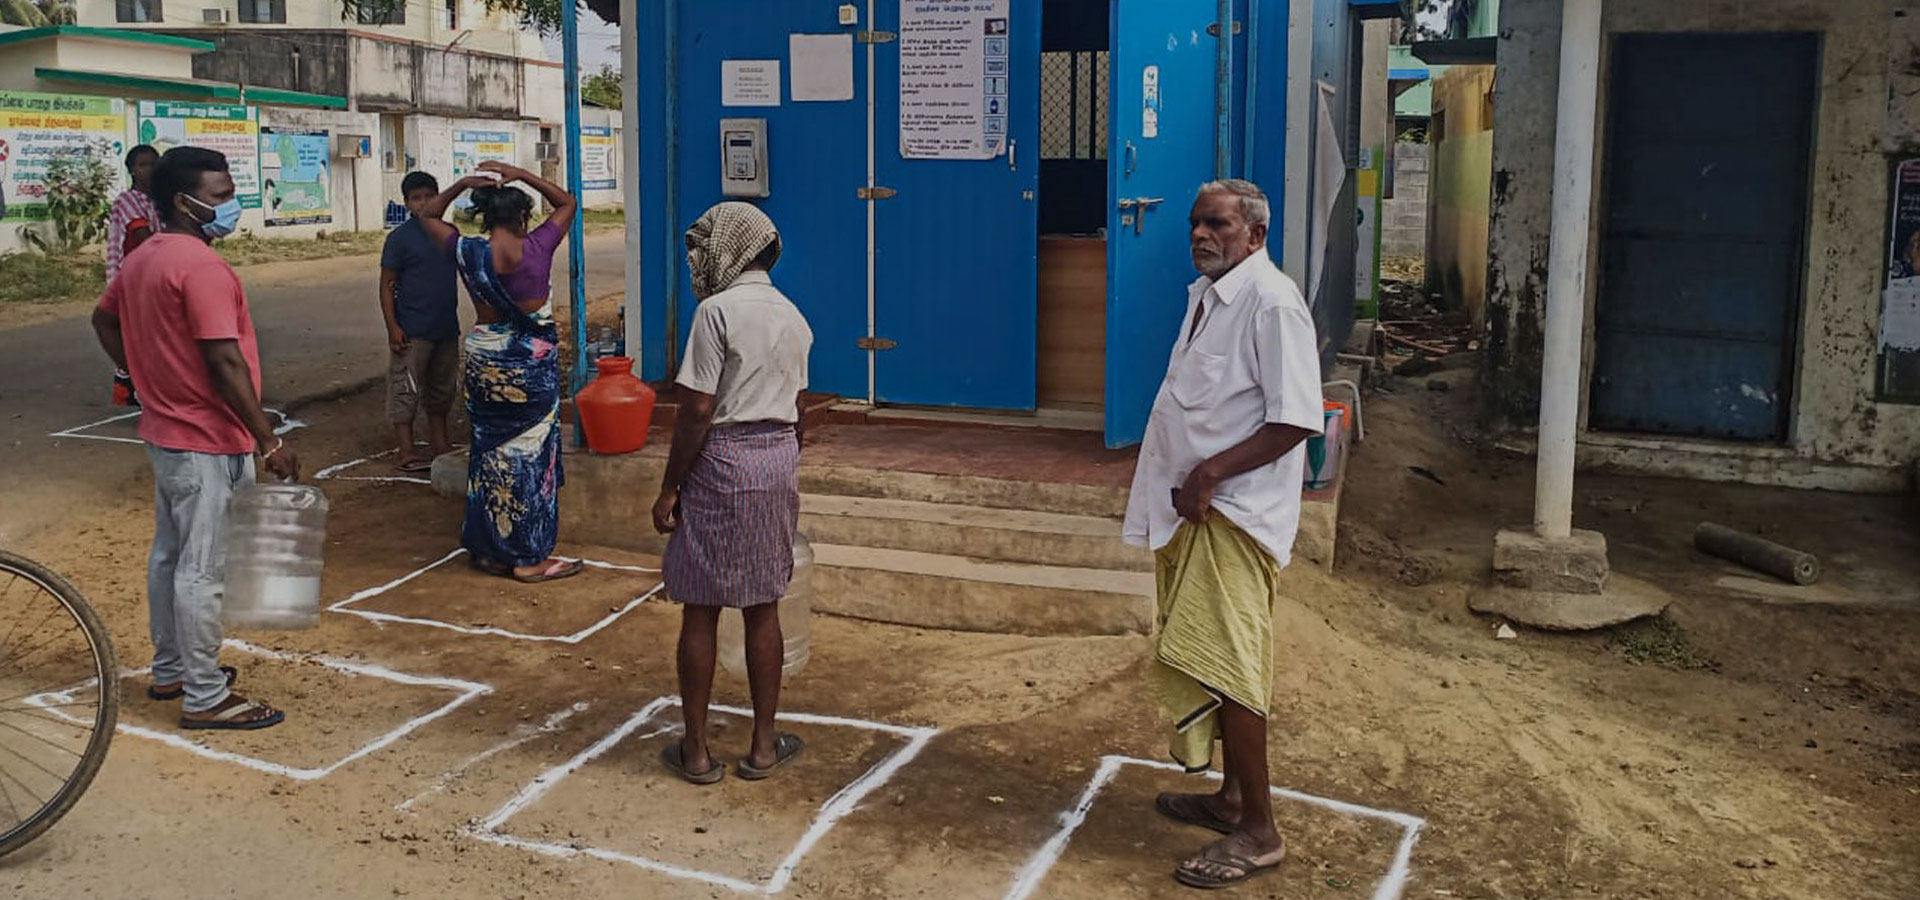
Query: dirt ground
point(1752, 744)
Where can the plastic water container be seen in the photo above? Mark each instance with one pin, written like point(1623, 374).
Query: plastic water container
point(796, 608)
point(276, 534)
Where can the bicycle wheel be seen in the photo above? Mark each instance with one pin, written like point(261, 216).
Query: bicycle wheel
point(59, 698)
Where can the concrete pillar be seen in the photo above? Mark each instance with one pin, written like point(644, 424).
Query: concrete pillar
point(630, 169)
point(1552, 576)
point(1567, 266)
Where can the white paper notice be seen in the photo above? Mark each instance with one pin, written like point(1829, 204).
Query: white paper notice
point(822, 67)
point(1900, 318)
point(954, 78)
point(749, 82)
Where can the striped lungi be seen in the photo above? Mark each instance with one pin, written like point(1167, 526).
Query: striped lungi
point(739, 509)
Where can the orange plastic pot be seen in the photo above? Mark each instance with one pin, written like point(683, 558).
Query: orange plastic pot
point(616, 408)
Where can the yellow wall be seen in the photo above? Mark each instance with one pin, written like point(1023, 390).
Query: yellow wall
point(1460, 187)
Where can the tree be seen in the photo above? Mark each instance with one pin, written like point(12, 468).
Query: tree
point(79, 185)
point(602, 88)
point(36, 13)
point(542, 15)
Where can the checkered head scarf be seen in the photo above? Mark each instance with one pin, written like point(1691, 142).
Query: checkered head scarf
point(724, 241)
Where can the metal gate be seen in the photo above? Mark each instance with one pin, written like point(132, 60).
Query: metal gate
point(1702, 254)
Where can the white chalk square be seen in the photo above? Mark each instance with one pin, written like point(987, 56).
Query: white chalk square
point(1390, 885)
point(647, 722)
point(464, 691)
point(352, 605)
point(112, 423)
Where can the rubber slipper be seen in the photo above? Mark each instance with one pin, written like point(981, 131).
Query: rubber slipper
point(1240, 868)
point(415, 466)
point(232, 674)
point(560, 569)
point(489, 567)
point(673, 755)
point(1189, 809)
point(229, 719)
point(785, 748)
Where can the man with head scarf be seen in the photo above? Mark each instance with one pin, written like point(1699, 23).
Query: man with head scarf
point(731, 497)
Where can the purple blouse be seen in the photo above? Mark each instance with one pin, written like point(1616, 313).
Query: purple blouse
point(533, 279)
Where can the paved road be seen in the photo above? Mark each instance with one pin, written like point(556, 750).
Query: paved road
point(320, 334)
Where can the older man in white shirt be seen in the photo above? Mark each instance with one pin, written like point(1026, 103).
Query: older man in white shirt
point(1217, 497)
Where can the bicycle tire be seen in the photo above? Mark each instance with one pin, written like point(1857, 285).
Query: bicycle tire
point(106, 669)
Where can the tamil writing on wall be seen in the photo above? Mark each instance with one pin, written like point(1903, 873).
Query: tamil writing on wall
point(230, 130)
point(953, 79)
point(36, 128)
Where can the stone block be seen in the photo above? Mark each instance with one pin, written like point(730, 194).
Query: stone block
point(1576, 564)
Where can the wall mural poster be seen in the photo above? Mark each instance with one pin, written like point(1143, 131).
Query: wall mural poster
point(473, 147)
point(1900, 309)
point(295, 164)
point(597, 171)
point(36, 128)
point(231, 130)
point(951, 107)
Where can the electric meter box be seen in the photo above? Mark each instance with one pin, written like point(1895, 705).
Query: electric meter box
point(743, 158)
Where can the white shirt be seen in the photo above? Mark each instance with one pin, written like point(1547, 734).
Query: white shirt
point(749, 349)
point(1254, 361)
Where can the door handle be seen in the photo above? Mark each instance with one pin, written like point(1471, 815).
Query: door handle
point(1133, 159)
point(1139, 206)
point(1013, 154)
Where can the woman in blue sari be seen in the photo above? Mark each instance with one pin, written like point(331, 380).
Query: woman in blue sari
point(512, 372)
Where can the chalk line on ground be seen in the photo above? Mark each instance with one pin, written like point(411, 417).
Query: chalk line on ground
point(1390, 887)
point(842, 803)
point(346, 606)
point(467, 691)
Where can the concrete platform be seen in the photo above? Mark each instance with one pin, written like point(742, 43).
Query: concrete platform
point(970, 529)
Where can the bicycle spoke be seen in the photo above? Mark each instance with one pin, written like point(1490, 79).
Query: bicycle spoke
point(58, 634)
point(31, 794)
point(8, 796)
point(30, 761)
point(31, 713)
point(67, 750)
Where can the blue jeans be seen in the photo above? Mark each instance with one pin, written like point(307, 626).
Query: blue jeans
point(186, 571)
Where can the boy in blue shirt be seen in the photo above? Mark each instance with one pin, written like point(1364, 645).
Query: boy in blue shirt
point(422, 308)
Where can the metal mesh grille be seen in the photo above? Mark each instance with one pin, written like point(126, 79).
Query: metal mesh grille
point(1073, 105)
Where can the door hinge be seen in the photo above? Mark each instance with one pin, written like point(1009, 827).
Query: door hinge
point(876, 343)
point(1214, 29)
point(874, 37)
point(876, 193)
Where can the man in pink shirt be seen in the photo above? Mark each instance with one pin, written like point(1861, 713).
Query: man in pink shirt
point(176, 318)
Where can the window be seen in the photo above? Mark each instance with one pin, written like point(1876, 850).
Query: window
point(136, 10)
point(393, 143)
point(1073, 105)
point(453, 14)
point(395, 14)
point(263, 12)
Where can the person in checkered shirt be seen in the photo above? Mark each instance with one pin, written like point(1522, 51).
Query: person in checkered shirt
point(129, 224)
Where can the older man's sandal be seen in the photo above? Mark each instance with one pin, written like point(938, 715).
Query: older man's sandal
point(1195, 872)
point(233, 718)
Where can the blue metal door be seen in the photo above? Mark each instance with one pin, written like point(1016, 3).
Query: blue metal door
point(1162, 150)
point(955, 246)
point(1704, 236)
point(817, 153)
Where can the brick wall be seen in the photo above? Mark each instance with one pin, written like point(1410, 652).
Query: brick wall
point(1404, 223)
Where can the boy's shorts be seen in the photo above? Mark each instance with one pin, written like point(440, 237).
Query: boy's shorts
point(423, 378)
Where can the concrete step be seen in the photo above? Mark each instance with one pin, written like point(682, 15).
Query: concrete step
point(998, 535)
point(932, 590)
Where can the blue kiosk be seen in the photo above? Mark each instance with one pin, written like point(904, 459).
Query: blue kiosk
point(983, 202)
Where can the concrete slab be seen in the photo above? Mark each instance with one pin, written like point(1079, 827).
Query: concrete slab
point(1624, 600)
point(1002, 535)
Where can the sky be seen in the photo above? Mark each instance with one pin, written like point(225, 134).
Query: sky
point(597, 44)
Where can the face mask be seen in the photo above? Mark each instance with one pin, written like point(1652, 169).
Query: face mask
point(226, 217)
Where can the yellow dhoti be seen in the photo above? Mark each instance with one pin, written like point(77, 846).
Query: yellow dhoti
point(1216, 588)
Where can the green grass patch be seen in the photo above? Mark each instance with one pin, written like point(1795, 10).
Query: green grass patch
point(251, 249)
point(34, 278)
point(1658, 641)
point(606, 217)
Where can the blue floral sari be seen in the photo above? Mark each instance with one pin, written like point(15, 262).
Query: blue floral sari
point(513, 399)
